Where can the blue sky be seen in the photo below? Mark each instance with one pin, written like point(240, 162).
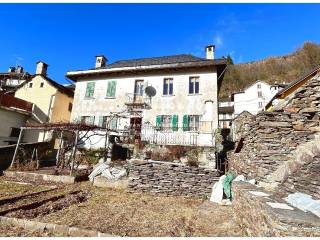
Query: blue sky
point(68, 36)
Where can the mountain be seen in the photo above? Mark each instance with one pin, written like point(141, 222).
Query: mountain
point(273, 69)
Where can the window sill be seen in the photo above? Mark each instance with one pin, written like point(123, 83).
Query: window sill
point(172, 95)
point(195, 94)
point(110, 98)
point(89, 98)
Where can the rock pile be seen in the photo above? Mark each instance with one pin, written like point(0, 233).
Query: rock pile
point(171, 179)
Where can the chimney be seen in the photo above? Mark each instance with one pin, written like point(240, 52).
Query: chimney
point(19, 69)
point(41, 68)
point(210, 51)
point(101, 61)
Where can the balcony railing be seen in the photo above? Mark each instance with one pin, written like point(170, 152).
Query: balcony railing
point(133, 99)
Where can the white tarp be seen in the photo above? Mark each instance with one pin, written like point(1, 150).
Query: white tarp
point(111, 173)
point(217, 191)
point(304, 202)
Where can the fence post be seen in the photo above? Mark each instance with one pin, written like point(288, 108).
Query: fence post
point(74, 152)
point(17, 146)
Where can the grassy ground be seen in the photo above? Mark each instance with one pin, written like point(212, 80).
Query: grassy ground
point(11, 189)
point(123, 214)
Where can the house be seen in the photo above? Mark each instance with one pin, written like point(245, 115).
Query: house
point(10, 80)
point(14, 114)
point(52, 98)
point(282, 97)
point(255, 97)
point(226, 110)
point(169, 100)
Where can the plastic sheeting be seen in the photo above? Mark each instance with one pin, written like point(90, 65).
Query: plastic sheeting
point(304, 202)
point(111, 173)
point(217, 191)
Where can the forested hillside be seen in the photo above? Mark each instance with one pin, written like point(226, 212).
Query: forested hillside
point(272, 69)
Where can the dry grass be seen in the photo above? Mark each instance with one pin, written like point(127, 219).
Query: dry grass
point(10, 189)
point(120, 213)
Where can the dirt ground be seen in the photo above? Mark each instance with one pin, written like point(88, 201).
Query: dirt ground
point(122, 214)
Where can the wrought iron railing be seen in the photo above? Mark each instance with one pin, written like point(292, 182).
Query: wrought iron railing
point(133, 98)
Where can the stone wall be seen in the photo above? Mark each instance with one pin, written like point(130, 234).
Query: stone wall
point(258, 219)
point(171, 179)
point(271, 141)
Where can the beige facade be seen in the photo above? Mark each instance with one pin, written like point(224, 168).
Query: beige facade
point(53, 99)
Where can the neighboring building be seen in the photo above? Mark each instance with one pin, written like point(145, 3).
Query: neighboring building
point(281, 98)
point(255, 97)
point(10, 80)
point(226, 109)
point(52, 98)
point(183, 109)
point(15, 113)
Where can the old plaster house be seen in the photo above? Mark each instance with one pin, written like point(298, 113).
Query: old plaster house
point(171, 100)
point(52, 98)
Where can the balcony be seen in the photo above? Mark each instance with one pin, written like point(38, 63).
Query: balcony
point(137, 101)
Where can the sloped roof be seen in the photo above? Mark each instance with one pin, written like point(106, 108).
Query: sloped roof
point(311, 73)
point(153, 63)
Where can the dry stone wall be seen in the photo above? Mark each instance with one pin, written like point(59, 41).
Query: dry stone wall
point(258, 219)
point(171, 179)
point(272, 138)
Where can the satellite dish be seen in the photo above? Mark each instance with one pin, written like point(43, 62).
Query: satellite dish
point(150, 91)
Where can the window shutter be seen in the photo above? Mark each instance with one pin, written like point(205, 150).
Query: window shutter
point(109, 89)
point(100, 124)
point(90, 89)
point(113, 123)
point(175, 122)
point(158, 121)
point(91, 120)
point(114, 84)
point(185, 123)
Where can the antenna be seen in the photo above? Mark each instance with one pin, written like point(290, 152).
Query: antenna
point(150, 91)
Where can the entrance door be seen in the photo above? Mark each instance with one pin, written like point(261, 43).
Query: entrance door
point(138, 91)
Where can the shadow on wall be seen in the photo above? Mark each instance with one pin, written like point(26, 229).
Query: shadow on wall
point(227, 147)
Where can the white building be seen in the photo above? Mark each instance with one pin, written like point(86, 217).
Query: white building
point(15, 76)
point(255, 97)
point(183, 109)
point(226, 110)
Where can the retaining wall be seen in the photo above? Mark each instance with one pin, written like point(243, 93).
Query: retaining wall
point(171, 179)
point(258, 219)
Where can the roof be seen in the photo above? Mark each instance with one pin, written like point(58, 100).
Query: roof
point(165, 62)
point(311, 73)
point(58, 86)
point(11, 102)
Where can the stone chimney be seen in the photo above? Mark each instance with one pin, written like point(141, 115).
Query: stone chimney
point(19, 69)
point(41, 68)
point(101, 61)
point(210, 51)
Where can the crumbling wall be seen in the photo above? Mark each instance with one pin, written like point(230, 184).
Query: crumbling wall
point(171, 179)
point(258, 219)
point(272, 139)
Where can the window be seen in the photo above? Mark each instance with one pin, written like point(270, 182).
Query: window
point(259, 85)
point(138, 88)
point(194, 85)
point(90, 90)
point(191, 122)
point(167, 86)
point(30, 85)
point(15, 132)
point(167, 122)
point(260, 104)
point(41, 85)
point(108, 122)
point(111, 91)
point(88, 120)
point(259, 94)
point(70, 107)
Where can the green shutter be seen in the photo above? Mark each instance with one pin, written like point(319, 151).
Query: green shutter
point(113, 123)
point(185, 123)
point(91, 120)
point(175, 122)
point(111, 91)
point(158, 121)
point(100, 124)
point(90, 89)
